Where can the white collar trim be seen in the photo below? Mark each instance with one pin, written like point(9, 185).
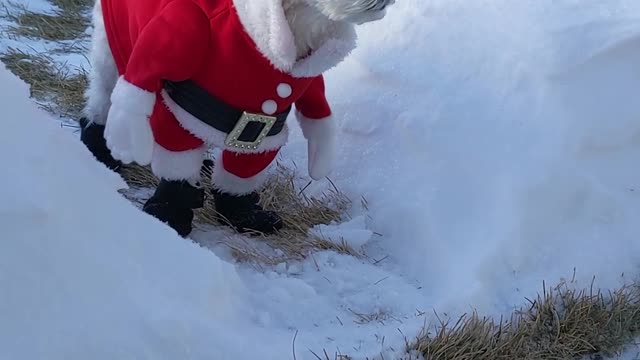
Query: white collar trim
point(265, 22)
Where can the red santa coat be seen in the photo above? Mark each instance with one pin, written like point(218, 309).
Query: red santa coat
point(240, 51)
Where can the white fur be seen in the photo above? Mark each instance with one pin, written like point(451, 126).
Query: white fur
point(321, 144)
point(263, 20)
point(317, 129)
point(127, 132)
point(216, 137)
point(177, 165)
point(326, 40)
point(324, 58)
point(227, 182)
point(312, 21)
point(352, 11)
point(103, 74)
point(308, 25)
point(286, 39)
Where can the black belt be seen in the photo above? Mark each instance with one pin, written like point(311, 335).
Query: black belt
point(212, 111)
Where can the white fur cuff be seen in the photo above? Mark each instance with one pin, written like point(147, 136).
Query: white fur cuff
point(132, 99)
point(321, 143)
point(317, 129)
point(177, 165)
point(226, 182)
point(127, 131)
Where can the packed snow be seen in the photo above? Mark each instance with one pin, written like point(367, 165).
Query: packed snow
point(496, 144)
point(631, 353)
point(83, 273)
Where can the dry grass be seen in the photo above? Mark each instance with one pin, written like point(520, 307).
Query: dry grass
point(67, 23)
point(378, 316)
point(55, 27)
point(74, 6)
point(280, 194)
point(55, 87)
point(561, 323)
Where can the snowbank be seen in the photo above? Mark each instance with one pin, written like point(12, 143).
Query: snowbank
point(86, 275)
point(83, 273)
point(497, 144)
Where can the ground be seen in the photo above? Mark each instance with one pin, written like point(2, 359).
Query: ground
point(482, 165)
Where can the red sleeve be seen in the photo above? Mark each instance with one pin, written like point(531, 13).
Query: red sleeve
point(172, 46)
point(313, 103)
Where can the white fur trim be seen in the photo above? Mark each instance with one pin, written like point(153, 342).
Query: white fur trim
point(133, 100)
point(127, 132)
point(215, 137)
point(225, 181)
point(177, 165)
point(266, 24)
point(321, 144)
point(104, 73)
point(317, 129)
point(329, 55)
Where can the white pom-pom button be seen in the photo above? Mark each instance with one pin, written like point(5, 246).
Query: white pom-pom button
point(284, 90)
point(269, 107)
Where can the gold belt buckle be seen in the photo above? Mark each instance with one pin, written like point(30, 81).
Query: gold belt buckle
point(245, 119)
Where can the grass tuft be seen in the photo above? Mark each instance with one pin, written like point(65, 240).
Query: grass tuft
point(54, 86)
point(74, 6)
point(67, 23)
point(56, 27)
point(562, 323)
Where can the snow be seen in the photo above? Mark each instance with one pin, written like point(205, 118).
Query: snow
point(502, 137)
point(58, 52)
point(83, 273)
point(632, 353)
point(496, 144)
point(353, 232)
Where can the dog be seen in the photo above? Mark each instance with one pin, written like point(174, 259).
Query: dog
point(173, 78)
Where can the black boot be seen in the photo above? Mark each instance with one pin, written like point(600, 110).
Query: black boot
point(173, 203)
point(92, 135)
point(244, 214)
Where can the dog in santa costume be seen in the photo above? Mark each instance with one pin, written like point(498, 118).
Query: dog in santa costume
point(171, 78)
